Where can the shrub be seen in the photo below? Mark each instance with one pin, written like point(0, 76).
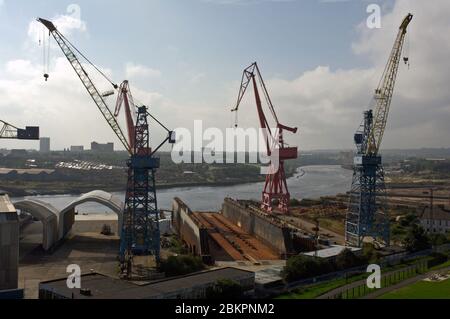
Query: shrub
point(181, 265)
point(225, 289)
point(438, 239)
point(347, 259)
point(301, 267)
point(416, 239)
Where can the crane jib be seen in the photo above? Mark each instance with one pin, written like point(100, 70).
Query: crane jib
point(87, 82)
point(384, 93)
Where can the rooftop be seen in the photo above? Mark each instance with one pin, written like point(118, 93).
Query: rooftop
point(439, 213)
point(333, 251)
point(5, 204)
point(104, 287)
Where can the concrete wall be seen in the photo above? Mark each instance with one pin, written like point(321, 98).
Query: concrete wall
point(269, 231)
point(9, 244)
point(185, 227)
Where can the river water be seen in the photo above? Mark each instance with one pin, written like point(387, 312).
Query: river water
point(308, 182)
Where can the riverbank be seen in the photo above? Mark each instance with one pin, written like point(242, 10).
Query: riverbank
point(306, 182)
point(65, 190)
point(24, 188)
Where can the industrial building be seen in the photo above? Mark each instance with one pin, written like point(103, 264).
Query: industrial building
point(9, 244)
point(98, 286)
point(44, 145)
point(104, 148)
point(75, 148)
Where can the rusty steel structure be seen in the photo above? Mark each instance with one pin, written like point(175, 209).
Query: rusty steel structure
point(275, 192)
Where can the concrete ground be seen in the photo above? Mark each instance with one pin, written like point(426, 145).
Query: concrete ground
point(85, 247)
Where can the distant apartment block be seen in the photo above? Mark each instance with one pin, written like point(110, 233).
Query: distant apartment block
point(77, 148)
point(44, 145)
point(106, 148)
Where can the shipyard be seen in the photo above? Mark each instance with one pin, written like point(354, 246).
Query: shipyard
point(182, 170)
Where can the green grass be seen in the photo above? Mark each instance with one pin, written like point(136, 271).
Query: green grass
point(422, 290)
point(316, 290)
point(441, 266)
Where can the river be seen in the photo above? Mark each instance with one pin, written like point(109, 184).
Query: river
point(308, 182)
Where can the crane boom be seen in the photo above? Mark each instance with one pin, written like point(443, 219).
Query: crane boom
point(385, 90)
point(126, 98)
point(275, 187)
point(9, 131)
point(87, 82)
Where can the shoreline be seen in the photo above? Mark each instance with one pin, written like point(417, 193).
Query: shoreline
point(15, 193)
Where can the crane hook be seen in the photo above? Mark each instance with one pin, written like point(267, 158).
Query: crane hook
point(46, 76)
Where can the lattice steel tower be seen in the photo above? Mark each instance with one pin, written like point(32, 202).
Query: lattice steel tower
point(367, 214)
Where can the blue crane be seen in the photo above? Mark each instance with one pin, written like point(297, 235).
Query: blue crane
point(140, 228)
point(367, 214)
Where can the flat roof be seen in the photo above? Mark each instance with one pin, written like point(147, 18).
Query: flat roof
point(5, 204)
point(330, 252)
point(104, 287)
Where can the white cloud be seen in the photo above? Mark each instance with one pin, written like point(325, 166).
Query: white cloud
point(65, 23)
point(133, 70)
point(327, 104)
point(196, 78)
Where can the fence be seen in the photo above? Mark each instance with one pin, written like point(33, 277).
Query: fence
point(385, 261)
point(360, 289)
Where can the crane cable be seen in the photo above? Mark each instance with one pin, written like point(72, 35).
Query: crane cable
point(45, 53)
point(115, 86)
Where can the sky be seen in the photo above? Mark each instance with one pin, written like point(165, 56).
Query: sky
point(184, 59)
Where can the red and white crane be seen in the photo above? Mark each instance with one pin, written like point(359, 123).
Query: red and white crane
point(275, 190)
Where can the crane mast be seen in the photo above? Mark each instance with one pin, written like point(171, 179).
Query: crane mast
point(367, 214)
point(87, 82)
point(275, 187)
point(140, 228)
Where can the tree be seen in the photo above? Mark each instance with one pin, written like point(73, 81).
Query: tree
point(438, 239)
point(301, 267)
point(370, 254)
point(416, 239)
point(347, 259)
point(225, 289)
point(181, 265)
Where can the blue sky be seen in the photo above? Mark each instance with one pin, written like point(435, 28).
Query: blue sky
point(186, 38)
point(185, 58)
